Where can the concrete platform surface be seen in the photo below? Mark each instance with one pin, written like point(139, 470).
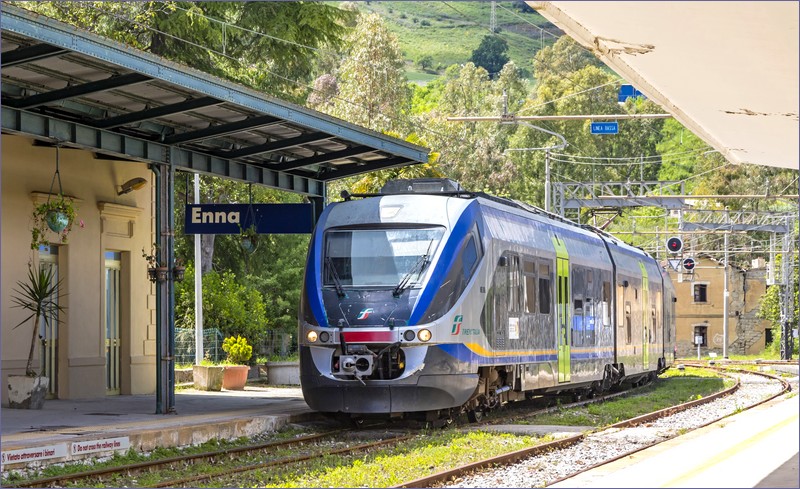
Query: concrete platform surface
point(65, 430)
point(755, 448)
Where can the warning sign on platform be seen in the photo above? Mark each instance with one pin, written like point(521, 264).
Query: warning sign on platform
point(25, 455)
point(106, 444)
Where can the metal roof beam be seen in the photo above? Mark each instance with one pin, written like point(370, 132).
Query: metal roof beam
point(76, 91)
point(101, 140)
point(334, 174)
point(156, 112)
point(276, 145)
point(28, 54)
point(322, 158)
point(221, 129)
point(58, 34)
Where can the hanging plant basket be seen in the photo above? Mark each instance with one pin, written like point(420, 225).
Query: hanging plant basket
point(249, 243)
point(57, 221)
point(178, 271)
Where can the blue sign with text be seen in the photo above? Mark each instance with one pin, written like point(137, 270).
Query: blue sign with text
point(605, 127)
point(233, 218)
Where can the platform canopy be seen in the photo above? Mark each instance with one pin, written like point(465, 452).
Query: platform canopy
point(66, 85)
point(727, 70)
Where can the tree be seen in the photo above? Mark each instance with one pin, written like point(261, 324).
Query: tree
point(371, 80)
point(425, 62)
point(491, 54)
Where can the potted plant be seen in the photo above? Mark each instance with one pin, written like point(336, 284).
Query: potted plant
point(249, 238)
point(239, 352)
point(39, 296)
point(207, 376)
point(58, 215)
point(156, 271)
point(179, 270)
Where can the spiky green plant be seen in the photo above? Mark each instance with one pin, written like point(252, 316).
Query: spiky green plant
point(39, 295)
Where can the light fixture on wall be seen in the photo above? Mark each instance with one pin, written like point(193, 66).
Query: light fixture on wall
point(131, 185)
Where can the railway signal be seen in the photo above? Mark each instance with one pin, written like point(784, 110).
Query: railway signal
point(688, 264)
point(674, 244)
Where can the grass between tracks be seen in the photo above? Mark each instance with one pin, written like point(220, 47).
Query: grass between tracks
point(671, 388)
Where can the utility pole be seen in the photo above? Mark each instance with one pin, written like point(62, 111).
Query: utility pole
point(725, 302)
point(547, 180)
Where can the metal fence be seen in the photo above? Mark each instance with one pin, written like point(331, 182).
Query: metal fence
point(276, 344)
point(185, 345)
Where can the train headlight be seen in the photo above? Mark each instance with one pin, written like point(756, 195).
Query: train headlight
point(324, 337)
point(311, 336)
point(424, 335)
point(408, 335)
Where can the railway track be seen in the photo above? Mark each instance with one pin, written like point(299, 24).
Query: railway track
point(318, 445)
point(228, 464)
point(553, 462)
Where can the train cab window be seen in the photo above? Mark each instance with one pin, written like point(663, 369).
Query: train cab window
point(529, 273)
point(544, 289)
point(469, 258)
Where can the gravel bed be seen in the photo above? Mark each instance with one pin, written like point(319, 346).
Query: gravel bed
point(602, 446)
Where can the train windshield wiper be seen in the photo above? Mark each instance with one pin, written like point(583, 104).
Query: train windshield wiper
point(336, 282)
point(418, 268)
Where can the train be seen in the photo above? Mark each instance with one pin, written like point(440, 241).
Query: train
point(426, 301)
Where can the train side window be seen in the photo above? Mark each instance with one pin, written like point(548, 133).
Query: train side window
point(628, 331)
point(577, 323)
point(469, 258)
point(606, 305)
point(514, 285)
point(529, 273)
point(544, 289)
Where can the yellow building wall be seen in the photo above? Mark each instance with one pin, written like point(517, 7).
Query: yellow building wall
point(109, 223)
point(745, 289)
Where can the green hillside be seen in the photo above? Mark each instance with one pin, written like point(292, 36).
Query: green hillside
point(450, 31)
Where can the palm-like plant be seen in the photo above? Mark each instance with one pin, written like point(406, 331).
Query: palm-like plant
point(39, 295)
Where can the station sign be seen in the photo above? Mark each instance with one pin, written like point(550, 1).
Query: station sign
point(33, 454)
point(626, 92)
point(234, 218)
point(605, 127)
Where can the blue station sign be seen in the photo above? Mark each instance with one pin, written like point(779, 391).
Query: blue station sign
point(233, 218)
point(605, 127)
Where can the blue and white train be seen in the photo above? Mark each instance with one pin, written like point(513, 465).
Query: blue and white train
point(428, 301)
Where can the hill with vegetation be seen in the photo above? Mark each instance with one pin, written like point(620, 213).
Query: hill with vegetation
point(449, 32)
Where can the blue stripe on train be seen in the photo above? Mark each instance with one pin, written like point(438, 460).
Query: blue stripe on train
point(314, 270)
point(447, 259)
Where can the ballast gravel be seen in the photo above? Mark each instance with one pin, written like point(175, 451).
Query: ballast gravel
point(596, 448)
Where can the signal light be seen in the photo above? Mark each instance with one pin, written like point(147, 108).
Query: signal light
point(674, 244)
point(688, 264)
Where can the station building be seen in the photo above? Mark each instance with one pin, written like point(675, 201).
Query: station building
point(699, 309)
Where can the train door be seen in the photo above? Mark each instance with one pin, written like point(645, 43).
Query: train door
point(646, 322)
point(563, 309)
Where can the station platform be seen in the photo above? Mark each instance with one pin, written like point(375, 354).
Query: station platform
point(759, 447)
point(68, 430)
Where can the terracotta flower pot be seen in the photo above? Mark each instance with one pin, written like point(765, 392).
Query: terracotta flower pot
point(235, 377)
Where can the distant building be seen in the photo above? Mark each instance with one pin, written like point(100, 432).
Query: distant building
point(699, 310)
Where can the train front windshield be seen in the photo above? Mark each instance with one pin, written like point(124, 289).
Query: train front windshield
point(359, 258)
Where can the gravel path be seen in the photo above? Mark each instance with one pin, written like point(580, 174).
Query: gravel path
point(602, 446)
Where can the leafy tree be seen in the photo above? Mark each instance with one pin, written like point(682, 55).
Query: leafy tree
point(234, 309)
point(371, 80)
point(491, 54)
point(425, 62)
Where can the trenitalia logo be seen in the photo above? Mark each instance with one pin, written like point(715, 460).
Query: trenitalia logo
point(365, 313)
point(457, 324)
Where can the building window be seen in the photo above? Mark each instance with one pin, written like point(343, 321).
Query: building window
point(700, 292)
point(700, 335)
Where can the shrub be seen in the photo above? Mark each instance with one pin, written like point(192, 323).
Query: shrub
point(239, 352)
